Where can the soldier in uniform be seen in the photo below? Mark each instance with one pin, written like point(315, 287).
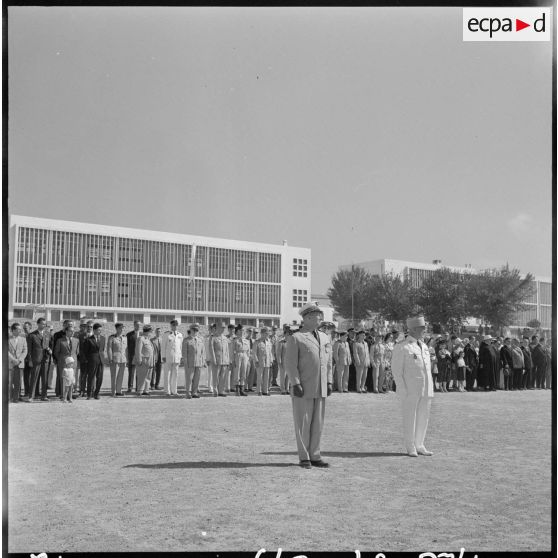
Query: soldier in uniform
point(193, 351)
point(280, 348)
point(207, 342)
point(308, 365)
point(342, 358)
point(410, 365)
point(362, 361)
point(220, 359)
point(116, 355)
point(171, 355)
point(144, 359)
point(241, 360)
point(263, 358)
point(131, 338)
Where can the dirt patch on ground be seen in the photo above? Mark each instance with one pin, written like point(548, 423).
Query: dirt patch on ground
point(158, 474)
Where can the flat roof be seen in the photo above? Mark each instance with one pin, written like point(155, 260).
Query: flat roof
point(160, 236)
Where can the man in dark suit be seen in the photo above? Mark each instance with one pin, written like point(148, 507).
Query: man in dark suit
point(507, 363)
point(86, 330)
point(352, 369)
point(538, 357)
point(131, 338)
point(65, 346)
point(526, 381)
point(157, 362)
point(94, 348)
point(40, 351)
point(471, 365)
point(58, 335)
point(487, 365)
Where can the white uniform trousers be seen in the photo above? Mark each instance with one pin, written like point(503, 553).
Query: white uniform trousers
point(143, 378)
point(240, 370)
point(342, 374)
point(308, 421)
point(192, 380)
point(170, 377)
point(262, 379)
point(361, 375)
point(416, 411)
point(116, 377)
point(220, 377)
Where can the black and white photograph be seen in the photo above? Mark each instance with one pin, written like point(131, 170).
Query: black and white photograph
point(279, 279)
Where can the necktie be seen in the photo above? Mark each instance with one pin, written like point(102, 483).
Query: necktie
point(315, 334)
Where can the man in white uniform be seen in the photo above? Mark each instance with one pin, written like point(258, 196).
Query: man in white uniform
point(410, 365)
point(171, 355)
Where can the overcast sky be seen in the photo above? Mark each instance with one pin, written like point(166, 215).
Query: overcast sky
point(361, 133)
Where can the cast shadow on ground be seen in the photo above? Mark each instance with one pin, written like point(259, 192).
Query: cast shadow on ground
point(206, 465)
point(349, 454)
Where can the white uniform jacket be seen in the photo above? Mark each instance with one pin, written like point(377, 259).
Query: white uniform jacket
point(308, 363)
point(263, 353)
point(171, 347)
point(410, 366)
point(193, 351)
point(361, 354)
point(342, 353)
point(219, 350)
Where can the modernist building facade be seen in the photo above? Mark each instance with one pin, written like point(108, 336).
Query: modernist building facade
point(66, 269)
point(539, 304)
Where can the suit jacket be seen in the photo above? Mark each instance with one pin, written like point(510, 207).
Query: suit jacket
point(144, 352)
point(361, 354)
point(342, 353)
point(264, 353)
point(131, 338)
point(506, 356)
point(116, 348)
point(63, 349)
point(308, 363)
point(410, 366)
point(95, 352)
point(58, 335)
point(471, 358)
point(527, 362)
point(37, 345)
point(81, 337)
point(156, 342)
point(486, 361)
point(280, 349)
point(193, 351)
point(219, 350)
point(17, 351)
point(171, 346)
point(538, 356)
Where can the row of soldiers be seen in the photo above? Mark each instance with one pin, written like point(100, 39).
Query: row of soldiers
point(240, 359)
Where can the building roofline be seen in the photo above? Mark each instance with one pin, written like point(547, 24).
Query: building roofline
point(144, 234)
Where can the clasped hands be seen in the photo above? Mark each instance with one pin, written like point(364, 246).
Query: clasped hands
point(298, 390)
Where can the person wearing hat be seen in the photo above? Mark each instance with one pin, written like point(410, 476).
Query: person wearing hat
point(241, 359)
point(263, 358)
point(116, 356)
point(193, 351)
point(410, 365)
point(171, 355)
point(145, 359)
point(487, 366)
point(220, 359)
point(342, 358)
point(308, 365)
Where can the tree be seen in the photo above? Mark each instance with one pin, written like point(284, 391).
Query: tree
point(495, 295)
point(442, 298)
point(350, 293)
point(392, 297)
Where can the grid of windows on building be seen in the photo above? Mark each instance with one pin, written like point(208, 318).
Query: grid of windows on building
point(92, 270)
point(188, 320)
point(300, 267)
point(300, 297)
point(129, 317)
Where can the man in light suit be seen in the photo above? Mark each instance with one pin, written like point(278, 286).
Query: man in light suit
point(308, 364)
point(17, 351)
point(171, 355)
point(193, 351)
point(220, 359)
point(65, 346)
point(263, 357)
point(410, 365)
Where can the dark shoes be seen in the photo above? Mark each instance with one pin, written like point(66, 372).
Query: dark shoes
point(319, 463)
point(305, 464)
